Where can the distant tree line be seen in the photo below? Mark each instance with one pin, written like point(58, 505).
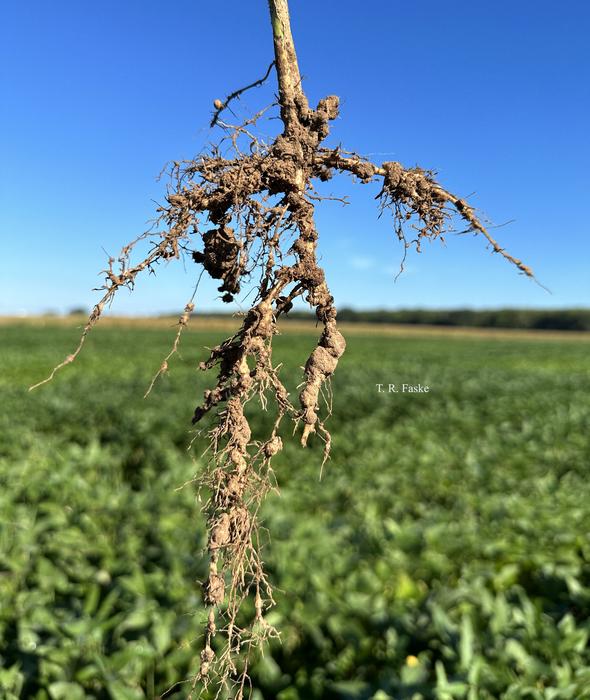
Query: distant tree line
point(554, 319)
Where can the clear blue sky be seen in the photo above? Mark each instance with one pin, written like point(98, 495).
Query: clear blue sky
point(495, 96)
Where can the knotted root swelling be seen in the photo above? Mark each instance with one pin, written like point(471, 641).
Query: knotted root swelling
point(319, 367)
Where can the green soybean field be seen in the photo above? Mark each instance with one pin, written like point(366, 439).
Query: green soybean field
point(442, 552)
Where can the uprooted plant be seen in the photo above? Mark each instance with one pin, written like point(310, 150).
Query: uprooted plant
point(254, 213)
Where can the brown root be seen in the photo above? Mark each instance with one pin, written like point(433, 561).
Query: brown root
point(244, 212)
point(412, 192)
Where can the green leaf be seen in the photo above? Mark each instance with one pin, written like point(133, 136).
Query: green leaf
point(66, 691)
point(466, 645)
point(120, 691)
